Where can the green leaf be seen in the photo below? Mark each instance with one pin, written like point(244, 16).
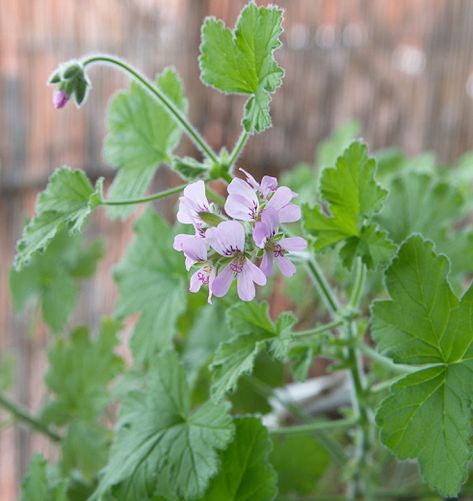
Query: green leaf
point(300, 461)
point(190, 169)
point(38, 486)
point(79, 373)
point(254, 331)
point(85, 449)
point(142, 135)
point(66, 203)
point(52, 277)
point(353, 197)
point(428, 413)
point(152, 281)
point(242, 61)
point(245, 472)
point(421, 203)
point(161, 436)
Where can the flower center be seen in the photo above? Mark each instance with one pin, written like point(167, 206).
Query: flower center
point(237, 264)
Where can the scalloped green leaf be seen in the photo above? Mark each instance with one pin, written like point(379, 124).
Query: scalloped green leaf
point(427, 416)
point(242, 61)
point(141, 137)
point(66, 203)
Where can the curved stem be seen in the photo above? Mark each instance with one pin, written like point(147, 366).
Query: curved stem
point(317, 330)
point(385, 361)
point(215, 196)
point(323, 287)
point(150, 198)
point(23, 415)
point(240, 144)
point(174, 112)
point(315, 426)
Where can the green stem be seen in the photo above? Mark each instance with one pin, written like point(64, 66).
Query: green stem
point(240, 144)
point(323, 287)
point(315, 426)
point(384, 385)
point(23, 415)
point(318, 330)
point(174, 112)
point(150, 198)
point(215, 196)
point(358, 388)
point(384, 361)
point(332, 446)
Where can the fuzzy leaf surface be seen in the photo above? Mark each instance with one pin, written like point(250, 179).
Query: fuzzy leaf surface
point(242, 62)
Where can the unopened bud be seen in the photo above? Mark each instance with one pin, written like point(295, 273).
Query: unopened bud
point(60, 98)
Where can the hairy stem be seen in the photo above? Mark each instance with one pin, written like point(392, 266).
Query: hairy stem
point(385, 362)
point(150, 198)
point(240, 144)
point(212, 194)
point(323, 287)
point(23, 416)
point(317, 330)
point(315, 426)
point(172, 109)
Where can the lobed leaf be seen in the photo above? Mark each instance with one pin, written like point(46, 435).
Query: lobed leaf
point(353, 197)
point(428, 414)
point(66, 203)
point(160, 437)
point(142, 135)
point(242, 61)
point(152, 281)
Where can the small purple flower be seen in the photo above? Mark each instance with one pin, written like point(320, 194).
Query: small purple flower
point(195, 252)
point(268, 184)
point(60, 98)
point(275, 249)
point(193, 202)
point(228, 240)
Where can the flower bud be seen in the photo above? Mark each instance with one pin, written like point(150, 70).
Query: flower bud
point(60, 98)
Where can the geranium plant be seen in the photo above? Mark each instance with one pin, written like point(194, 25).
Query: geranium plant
point(373, 251)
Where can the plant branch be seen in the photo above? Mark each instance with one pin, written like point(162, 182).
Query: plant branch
point(172, 109)
point(150, 198)
point(315, 426)
point(215, 196)
point(385, 361)
point(240, 144)
point(323, 287)
point(23, 415)
point(317, 330)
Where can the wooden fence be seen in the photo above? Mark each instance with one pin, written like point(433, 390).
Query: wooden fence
point(404, 68)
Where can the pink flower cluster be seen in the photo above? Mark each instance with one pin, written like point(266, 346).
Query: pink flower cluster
point(228, 249)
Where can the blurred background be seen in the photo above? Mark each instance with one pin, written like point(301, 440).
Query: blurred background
point(403, 68)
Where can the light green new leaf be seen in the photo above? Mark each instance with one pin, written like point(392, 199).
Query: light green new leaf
point(37, 486)
point(428, 414)
point(419, 202)
point(141, 136)
point(161, 437)
point(52, 277)
point(242, 61)
point(253, 331)
point(245, 472)
point(152, 281)
point(80, 370)
point(353, 197)
point(66, 203)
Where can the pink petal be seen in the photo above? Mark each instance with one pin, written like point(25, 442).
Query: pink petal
point(293, 243)
point(240, 208)
point(195, 248)
point(256, 274)
point(227, 238)
point(179, 241)
point(60, 98)
point(245, 286)
point(285, 265)
point(242, 188)
point(281, 197)
point(290, 213)
point(186, 213)
point(196, 193)
point(222, 282)
point(195, 283)
point(266, 265)
point(260, 233)
point(268, 185)
point(250, 179)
